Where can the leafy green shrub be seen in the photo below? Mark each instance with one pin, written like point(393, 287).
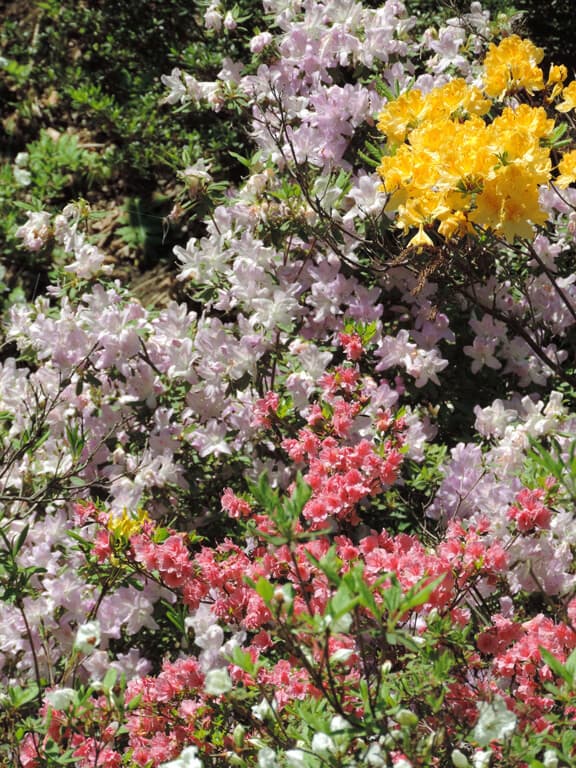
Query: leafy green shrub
point(90, 74)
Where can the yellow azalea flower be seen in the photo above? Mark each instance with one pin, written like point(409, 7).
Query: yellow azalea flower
point(127, 524)
point(465, 153)
point(421, 210)
point(567, 168)
point(453, 223)
point(569, 96)
point(456, 100)
point(509, 204)
point(454, 169)
point(533, 120)
point(420, 239)
point(512, 66)
point(399, 117)
point(396, 174)
point(556, 77)
point(516, 136)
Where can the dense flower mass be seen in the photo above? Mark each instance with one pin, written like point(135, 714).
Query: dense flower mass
point(319, 513)
point(459, 162)
point(512, 67)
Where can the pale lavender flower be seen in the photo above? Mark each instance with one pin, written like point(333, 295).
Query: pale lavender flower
point(493, 420)
point(365, 197)
point(259, 42)
point(230, 22)
point(213, 18)
point(482, 351)
point(210, 440)
point(36, 232)
point(423, 365)
point(178, 91)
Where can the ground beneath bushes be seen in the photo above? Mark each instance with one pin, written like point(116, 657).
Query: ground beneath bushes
point(130, 215)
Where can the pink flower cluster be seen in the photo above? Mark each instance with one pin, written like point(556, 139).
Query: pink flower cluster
point(529, 511)
point(341, 476)
point(169, 710)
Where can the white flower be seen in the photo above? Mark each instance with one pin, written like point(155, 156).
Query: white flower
point(295, 758)
point(36, 231)
point(188, 759)
point(338, 724)
point(211, 639)
point(196, 176)
point(321, 742)
point(217, 682)
point(266, 758)
point(341, 655)
point(550, 759)
point(374, 756)
point(263, 710)
point(87, 637)
point(61, 698)
point(174, 82)
point(22, 177)
point(481, 759)
point(496, 722)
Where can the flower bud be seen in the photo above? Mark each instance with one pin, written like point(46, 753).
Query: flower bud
point(87, 637)
point(406, 717)
point(459, 759)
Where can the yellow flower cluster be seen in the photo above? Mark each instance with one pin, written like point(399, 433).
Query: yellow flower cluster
point(512, 66)
point(127, 524)
point(450, 165)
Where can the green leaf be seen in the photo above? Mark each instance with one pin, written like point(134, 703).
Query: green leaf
point(301, 494)
point(571, 664)
point(265, 589)
point(242, 659)
point(330, 565)
point(21, 696)
point(342, 602)
point(556, 665)
point(245, 161)
point(417, 596)
point(365, 595)
point(110, 679)
point(19, 543)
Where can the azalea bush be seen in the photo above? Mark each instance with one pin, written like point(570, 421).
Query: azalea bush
point(321, 512)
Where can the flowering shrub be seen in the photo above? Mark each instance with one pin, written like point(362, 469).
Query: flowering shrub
point(481, 175)
point(322, 513)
